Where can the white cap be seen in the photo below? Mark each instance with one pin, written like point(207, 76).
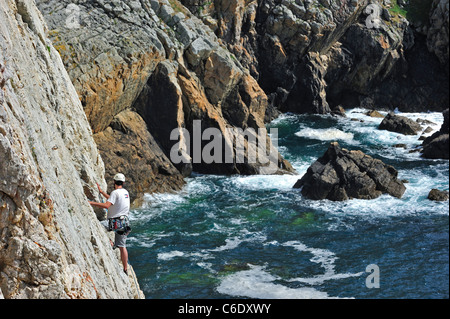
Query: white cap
point(119, 177)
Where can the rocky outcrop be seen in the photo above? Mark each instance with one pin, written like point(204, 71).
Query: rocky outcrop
point(237, 64)
point(281, 44)
point(437, 36)
point(311, 56)
point(156, 59)
point(437, 145)
point(399, 124)
point(110, 49)
point(438, 195)
point(386, 68)
point(341, 174)
point(136, 152)
point(51, 243)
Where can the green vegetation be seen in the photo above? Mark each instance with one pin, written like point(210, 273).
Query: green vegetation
point(203, 6)
point(397, 10)
point(178, 7)
point(416, 11)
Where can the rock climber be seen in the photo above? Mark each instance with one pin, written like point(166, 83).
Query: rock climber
point(118, 206)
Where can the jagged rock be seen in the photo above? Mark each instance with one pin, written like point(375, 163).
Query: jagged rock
point(437, 37)
point(341, 174)
point(147, 55)
point(109, 54)
point(52, 245)
point(161, 106)
point(221, 76)
point(399, 124)
point(269, 38)
point(174, 99)
point(339, 111)
point(438, 195)
point(437, 145)
point(309, 95)
point(198, 51)
point(128, 147)
point(390, 64)
point(374, 113)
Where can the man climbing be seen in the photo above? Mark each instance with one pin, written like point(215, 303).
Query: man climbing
point(118, 206)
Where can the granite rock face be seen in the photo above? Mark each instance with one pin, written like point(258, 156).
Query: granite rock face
point(310, 56)
point(159, 60)
point(52, 245)
point(341, 174)
point(110, 49)
point(136, 152)
point(437, 35)
point(238, 64)
point(437, 145)
point(438, 195)
point(399, 124)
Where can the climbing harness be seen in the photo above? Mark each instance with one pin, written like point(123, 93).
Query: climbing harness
point(120, 225)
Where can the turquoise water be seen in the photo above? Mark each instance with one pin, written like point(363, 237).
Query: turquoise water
point(256, 237)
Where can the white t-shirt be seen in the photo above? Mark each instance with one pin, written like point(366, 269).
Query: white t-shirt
point(120, 200)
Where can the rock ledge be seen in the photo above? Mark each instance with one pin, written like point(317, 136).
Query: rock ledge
point(341, 174)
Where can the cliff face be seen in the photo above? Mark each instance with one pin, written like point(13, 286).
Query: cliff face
point(109, 52)
point(437, 33)
point(109, 82)
point(314, 55)
point(52, 245)
point(158, 64)
point(235, 64)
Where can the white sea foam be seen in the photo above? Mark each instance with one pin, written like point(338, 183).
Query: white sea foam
point(258, 283)
point(207, 266)
point(360, 114)
point(369, 127)
point(330, 134)
point(243, 236)
point(170, 255)
point(200, 185)
point(285, 118)
point(158, 200)
point(413, 203)
point(143, 240)
point(230, 243)
point(176, 253)
point(323, 257)
point(203, 254)
point(265, 182)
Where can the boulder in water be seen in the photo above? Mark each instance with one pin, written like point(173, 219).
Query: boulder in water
point(341, 174)
point(400, 124)
point(438, 195)
point(437, 145)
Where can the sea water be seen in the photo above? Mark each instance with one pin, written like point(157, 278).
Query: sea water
point(257, 237)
